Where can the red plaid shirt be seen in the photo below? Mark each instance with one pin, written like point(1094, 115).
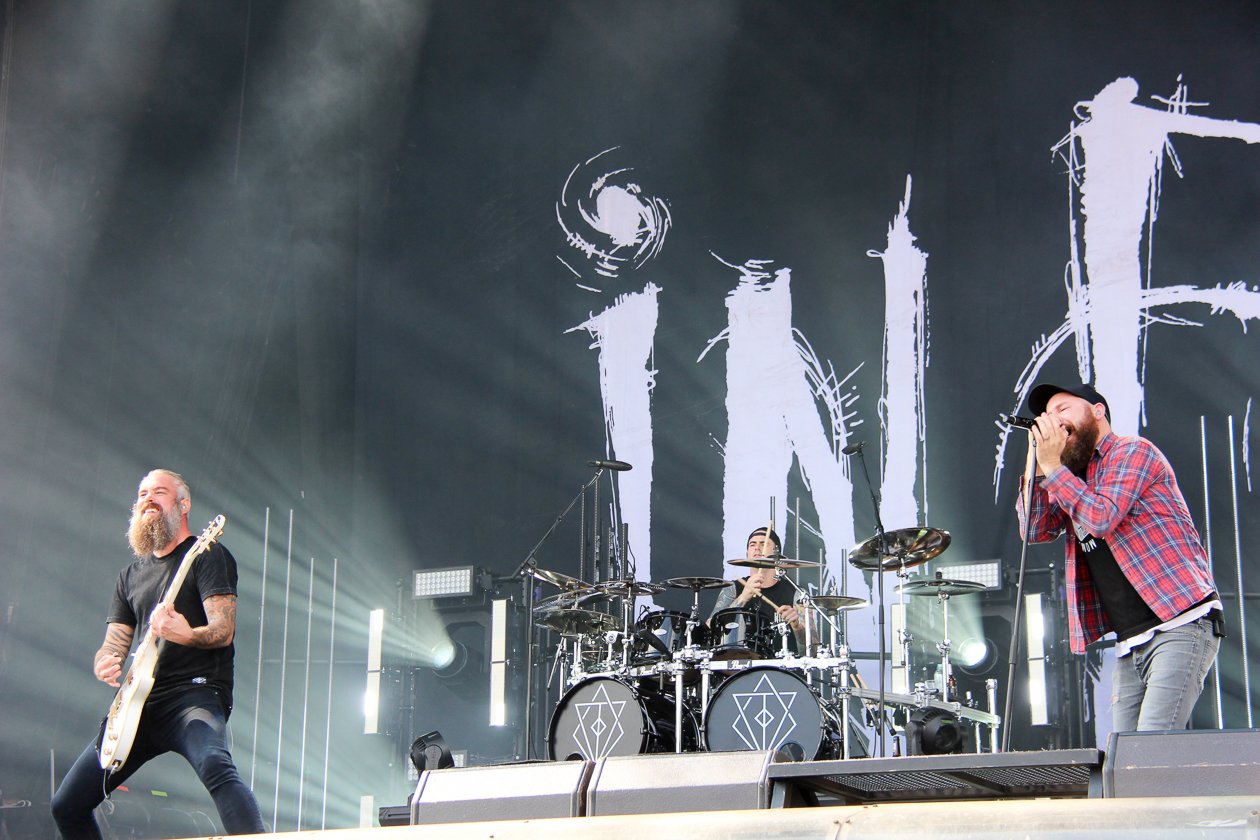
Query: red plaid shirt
point(1131, 499)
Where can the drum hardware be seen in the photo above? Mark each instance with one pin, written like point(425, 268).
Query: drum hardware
point(942, 588)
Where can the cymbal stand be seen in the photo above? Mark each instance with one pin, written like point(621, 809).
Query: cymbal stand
point(524, 572)
point(883, 542)
point(904, 637)
point(943, 647)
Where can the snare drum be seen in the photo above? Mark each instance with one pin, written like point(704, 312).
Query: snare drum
point(741, 633)
point(606, 716)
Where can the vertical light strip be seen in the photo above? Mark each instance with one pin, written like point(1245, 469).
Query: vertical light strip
point(1035, 626)
point(1207, 546)
point(367, 809)
point(372, 696)
point(899, 671)
point(1242, 611)
point(498, 662)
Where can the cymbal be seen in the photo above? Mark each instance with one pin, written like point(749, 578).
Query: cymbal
point(568, 599)
point(576, 622)
point(557, 579)
point(906, 548)
point(774, 561)
point(938, 585)
point(625, 588)
point(697, 583)
point(834, 603)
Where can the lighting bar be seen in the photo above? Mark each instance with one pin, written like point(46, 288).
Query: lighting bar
point(444, 583)
point(498, 661)
point(372, 695)
point(1035, 624)
point(986, 572)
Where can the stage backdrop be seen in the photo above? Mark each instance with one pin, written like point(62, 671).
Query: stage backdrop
point(381, 278)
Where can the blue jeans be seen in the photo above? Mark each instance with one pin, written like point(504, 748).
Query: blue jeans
point(192, 723)
point(1156, 686)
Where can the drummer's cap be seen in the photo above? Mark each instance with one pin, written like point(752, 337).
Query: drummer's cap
point(1042, 394)
point(774, 538)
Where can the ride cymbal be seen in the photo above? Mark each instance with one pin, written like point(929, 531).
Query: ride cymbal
point(576, 622)
point(773, 561)
point(626, 588)
point(557, 579)
point(903, 549)
point(835, 603)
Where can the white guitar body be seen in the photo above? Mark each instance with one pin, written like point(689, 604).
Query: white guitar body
point(118, 730)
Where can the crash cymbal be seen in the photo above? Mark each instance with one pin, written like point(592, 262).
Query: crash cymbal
point(576, 622)
point(906, 548)
point(697, 583)
point(557, 579)
point(835, 603)
point(626, 588)
point(939, 585)
point(773, 561)
point(567, 600)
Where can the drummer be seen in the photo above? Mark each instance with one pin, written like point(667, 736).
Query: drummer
point(763, 586)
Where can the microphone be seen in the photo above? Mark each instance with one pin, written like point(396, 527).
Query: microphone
point(1018, 422)
point(619, 466)
point(853, 448)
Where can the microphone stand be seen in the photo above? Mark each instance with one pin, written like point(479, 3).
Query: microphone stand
point(525, 572)
point(1030, 472)
point(883, 543)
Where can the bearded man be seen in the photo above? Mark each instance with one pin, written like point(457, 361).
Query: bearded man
point(188, 706)
point(1135, 563)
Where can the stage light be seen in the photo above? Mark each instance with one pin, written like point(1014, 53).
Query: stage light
point(976, 657)
point(933, 731)
point(372, 693)
point(498, 661)
point(430, 752)
point(1035, 634)
point(453, 582)
point(462, 663)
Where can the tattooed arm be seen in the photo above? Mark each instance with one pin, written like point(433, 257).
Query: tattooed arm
point(107, 663)
point(219, 630)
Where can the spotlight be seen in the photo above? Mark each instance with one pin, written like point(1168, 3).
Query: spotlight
point(976, 657)
point(461, 663)
point(430, 752)
point(933, 731)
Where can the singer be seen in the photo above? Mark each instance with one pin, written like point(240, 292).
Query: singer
point(1135, 563)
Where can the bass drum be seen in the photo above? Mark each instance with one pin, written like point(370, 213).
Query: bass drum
point(606, 716)
point(771, 709)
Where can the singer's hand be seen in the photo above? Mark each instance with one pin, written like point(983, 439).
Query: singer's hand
point(1051, 439)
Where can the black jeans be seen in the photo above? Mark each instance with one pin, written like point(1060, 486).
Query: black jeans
point(192, 723)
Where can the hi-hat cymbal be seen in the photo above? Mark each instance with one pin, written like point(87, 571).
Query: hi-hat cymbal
point(835, 603)
point(576, 622)
point(557, 579)
point(774, 561)
point(626, 588)
point(939, 585)
point(906, 548)
point(697, 583)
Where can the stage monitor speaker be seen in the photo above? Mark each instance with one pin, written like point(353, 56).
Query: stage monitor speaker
point(529, 790)
point(1201, 762)
point(670, 783)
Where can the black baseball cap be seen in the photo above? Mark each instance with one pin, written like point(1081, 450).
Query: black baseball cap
point(774, 538)
point(1042, 394)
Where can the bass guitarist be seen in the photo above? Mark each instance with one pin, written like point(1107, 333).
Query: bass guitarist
point(187, 707)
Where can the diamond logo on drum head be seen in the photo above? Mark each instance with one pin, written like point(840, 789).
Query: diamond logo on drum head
point(764, 717)
point(599, 728)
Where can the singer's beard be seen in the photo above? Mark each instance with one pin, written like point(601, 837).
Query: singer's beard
point(149, 534)
point(1080, 447)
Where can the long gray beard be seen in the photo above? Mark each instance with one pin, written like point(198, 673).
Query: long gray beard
point(148, 535)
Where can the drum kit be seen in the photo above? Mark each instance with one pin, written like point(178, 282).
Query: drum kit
point(669, 681)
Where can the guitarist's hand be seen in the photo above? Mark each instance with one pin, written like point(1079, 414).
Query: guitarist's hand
point(108, 669)
point(170, 625)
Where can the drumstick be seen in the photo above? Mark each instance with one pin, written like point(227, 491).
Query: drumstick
point(772, 604)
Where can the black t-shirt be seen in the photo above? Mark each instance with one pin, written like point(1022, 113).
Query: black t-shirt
point(782, 592)
point(1128, 613)
point(141, 585)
